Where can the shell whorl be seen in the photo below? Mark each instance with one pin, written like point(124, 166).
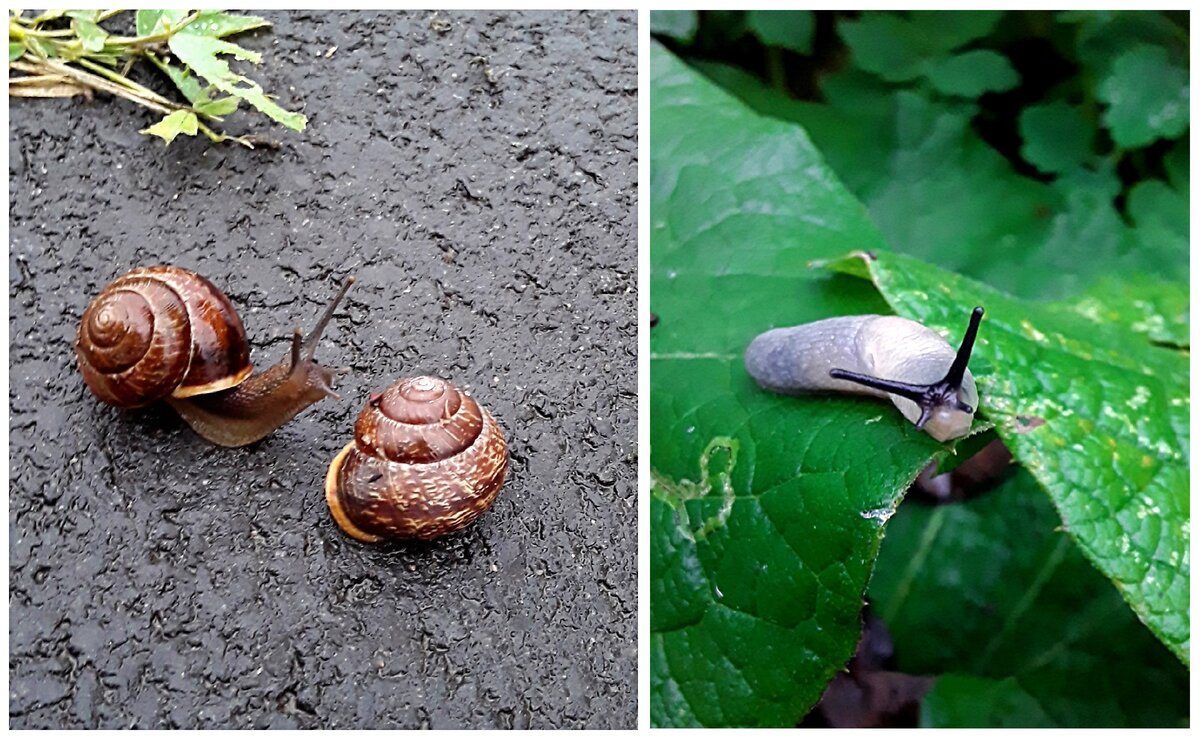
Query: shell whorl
point(426, 460)
point(160, 331)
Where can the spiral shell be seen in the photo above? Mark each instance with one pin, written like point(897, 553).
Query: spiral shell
point(160, 331)
point(426, 460)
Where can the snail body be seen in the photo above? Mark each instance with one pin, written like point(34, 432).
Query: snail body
point(884, 356)
point(426, 460)
point(166, 333)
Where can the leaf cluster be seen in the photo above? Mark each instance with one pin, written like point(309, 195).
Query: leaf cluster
point(1018, 164)
point(1025, 149)
point(64, 53)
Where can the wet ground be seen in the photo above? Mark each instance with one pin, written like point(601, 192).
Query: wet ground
point(480, 181)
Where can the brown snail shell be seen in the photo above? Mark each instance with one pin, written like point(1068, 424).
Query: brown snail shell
point(160, 331)
point(426, 460)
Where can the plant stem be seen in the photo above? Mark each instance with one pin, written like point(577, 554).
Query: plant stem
point(776, 72)
point(125, 81)
point(139, 41)
point(100, 83)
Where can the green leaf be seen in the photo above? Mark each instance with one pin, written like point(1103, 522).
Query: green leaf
point(1139, 112)
point(1057, 137)
point(972, 74)
point(219, 107)
point(187, 83)
point(765, 514)
point(174, 124)
point(15, 50)
point(1100, 417)
point(91, 35)
point(217, 24)
point(886, 45)
point(677, 24)
point(966, 701)
point(790, 29)
point(40, 48)
point(200, 53)
point(1035, 627)
point(1161, 218)
point(151, 22)
point(903, 48)
point(945, 31)
point(1155, 308)
point(1102, 36)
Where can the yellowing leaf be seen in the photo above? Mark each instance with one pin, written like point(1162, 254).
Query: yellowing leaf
point(174, 124)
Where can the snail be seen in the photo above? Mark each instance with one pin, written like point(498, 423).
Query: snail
point(885, 356)
point(426, 460)
point(166, 333)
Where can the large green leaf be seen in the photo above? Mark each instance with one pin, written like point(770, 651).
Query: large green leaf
point(1138, 112)
point(973, 73)
point(767, 511)
point(1098, 414)
point(790, 29)
point(1056, 136)
point(1038, 638)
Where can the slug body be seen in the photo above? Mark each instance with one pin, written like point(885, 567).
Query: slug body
point(165, 333)
point(426, 460)
point(884, 356)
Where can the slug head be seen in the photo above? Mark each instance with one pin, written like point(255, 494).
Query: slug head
point(942, 401)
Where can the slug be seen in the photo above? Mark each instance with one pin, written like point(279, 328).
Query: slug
point(884, 356)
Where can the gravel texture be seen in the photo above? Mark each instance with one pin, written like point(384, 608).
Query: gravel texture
point(481, 182)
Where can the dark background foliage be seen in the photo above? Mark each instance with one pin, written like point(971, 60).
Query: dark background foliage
point(1025, 149)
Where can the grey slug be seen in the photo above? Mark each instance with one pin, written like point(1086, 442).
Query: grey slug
point(884, 356)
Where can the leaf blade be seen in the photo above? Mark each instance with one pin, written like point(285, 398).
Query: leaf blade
point(743, 545)
point(174, 124)
point(1066, 393)
point(201, 54)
